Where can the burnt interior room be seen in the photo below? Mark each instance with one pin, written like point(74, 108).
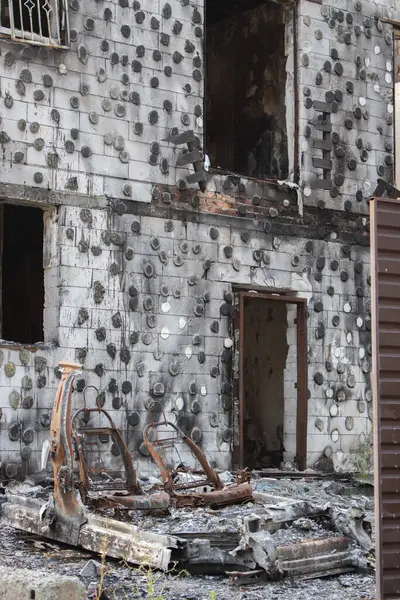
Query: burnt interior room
point(245, 88)
point(265, 352)
point(22, 275)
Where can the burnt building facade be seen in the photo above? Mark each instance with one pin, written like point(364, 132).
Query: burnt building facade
point(184, 208)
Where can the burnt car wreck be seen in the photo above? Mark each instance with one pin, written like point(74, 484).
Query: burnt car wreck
point(68, 515)
point(77, 511)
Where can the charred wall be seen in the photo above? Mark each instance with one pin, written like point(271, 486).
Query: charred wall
point(145, 304)
point(347, 102)
point(91, 119)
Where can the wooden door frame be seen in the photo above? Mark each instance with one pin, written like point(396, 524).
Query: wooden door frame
point(302, 374)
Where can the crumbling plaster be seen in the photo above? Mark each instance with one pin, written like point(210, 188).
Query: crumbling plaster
point(109, 222)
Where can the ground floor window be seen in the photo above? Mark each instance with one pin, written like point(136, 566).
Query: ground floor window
point(22, 273)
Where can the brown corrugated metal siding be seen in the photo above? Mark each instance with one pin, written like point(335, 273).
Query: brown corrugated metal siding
point(385, 248)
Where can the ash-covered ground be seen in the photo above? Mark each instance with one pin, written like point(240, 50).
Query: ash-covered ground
point(122, 581)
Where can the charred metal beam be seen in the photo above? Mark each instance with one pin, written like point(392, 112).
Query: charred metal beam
point(309, 548)
point(102, 535)
point(159, 501)
point(235, 494)
point(124, 541)
point(315, 558)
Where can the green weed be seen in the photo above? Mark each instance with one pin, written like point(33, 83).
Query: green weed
point(153, 588)
point(361, 459)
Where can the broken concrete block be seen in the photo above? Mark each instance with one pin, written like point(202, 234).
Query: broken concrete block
point(351, 523)
point(41, 585)
point(260, 542)
point(91, 570)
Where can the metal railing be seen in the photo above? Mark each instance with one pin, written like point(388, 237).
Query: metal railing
point(39, 22)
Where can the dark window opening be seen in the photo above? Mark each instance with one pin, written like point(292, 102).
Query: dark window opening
point(22, 274)
point(35, 21)
point(29, 17)
point(245, 88)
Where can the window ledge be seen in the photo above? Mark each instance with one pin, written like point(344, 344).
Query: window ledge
point(4, 344)
point(242, 187)
point(214, 171)
point(5, 35)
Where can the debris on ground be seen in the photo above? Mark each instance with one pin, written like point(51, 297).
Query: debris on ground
point(260, 549)
point(252, 529)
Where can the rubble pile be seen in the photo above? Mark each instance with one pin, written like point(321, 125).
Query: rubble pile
point(292, 530)
point(305, 528)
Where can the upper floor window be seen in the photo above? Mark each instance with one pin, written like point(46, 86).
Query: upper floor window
point(245, 130)
point(41, 22)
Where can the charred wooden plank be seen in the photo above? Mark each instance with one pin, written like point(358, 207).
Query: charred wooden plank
point(322, 163)
point(189, 158)
point(322, 125)
point(322, 184)
point(322, 144)
point(323, 107)
point(196, 177)
point(181, 138)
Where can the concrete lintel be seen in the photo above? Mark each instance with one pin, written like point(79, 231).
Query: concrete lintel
point(346, 225)
point(23, 194)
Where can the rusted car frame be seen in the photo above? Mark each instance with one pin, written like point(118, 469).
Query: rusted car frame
point(118, 496)
point(66, 518)
point(188, 494)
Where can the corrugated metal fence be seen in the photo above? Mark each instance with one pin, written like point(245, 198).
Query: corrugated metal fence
point(385, 254)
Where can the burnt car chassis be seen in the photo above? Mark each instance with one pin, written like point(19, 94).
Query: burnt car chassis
point(71, 515)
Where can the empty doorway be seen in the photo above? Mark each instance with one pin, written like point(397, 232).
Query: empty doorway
point(265, 353)
point(272, 381)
